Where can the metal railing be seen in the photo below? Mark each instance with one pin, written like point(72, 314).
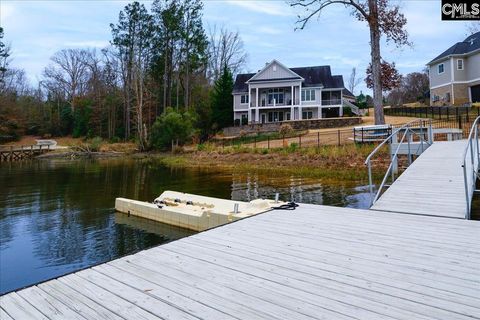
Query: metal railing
point(470, 166)
point(416, 127)
point(354, 108)
point(331, 102)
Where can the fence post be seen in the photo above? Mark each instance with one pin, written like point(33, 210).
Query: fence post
point(459, 122)
point(362, 134)
point(268, 142)
point(318, 139)
point(299, 141)
point(339, 137)
point(283, 145)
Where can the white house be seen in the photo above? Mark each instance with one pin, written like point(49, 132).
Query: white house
point(455, 74)
point(278, 93)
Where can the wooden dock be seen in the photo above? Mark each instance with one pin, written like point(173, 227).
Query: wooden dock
point(17, 153)
point(316, 262)
point(432, 185)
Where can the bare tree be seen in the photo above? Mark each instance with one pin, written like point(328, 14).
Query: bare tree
point(69, 72)
point(382, 18)
point(354, 80)
point(225, 48)
point(473, 27)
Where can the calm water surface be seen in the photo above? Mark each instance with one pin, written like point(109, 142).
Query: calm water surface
point(58, 216)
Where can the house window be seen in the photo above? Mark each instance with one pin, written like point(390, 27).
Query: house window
point(460, 64)
point(244, 99)
point(307, 115)
point(308, 95)
point(276, 94)
point(441, 68)
point(287, 116)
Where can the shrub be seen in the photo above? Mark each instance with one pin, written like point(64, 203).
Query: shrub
point(95, 144)
point(292, 147)
point(285, 129)
point(172, 128)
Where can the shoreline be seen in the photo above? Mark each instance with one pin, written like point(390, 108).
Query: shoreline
point(330, 162)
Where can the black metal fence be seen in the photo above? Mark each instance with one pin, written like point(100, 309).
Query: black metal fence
point(434, 112)
point(292, 140)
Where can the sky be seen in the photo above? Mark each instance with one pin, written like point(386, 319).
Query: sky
point(37, 29)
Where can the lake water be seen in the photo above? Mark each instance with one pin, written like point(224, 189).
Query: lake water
point(58, 216)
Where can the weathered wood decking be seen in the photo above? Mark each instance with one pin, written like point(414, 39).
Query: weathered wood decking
point(432, 185)
point(315, 262)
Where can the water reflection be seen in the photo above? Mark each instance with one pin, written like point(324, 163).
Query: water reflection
point(58, 216)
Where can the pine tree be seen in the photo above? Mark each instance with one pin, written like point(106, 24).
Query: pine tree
point(222, 100)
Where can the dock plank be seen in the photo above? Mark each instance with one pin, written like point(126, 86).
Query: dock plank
point(432, 185)
point(315, 262)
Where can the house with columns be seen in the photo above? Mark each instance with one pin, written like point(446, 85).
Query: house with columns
point(277, 93)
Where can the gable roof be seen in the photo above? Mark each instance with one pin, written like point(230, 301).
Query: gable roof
point(316, 76)
point(292, 74)
point(470, 44)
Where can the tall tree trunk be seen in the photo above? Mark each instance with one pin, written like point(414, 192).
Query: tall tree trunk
point(376, 63)
point(165, 72)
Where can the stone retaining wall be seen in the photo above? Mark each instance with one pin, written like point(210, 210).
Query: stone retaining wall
point(295, 124)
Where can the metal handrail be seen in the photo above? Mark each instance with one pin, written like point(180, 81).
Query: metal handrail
point(474, 134)
point(408, 128)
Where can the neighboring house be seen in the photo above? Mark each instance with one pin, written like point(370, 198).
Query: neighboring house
point(277, 93)
point(455, 74)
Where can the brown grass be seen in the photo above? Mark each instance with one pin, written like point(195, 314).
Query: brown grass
point(327, 162)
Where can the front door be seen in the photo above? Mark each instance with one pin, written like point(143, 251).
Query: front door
point(264, 118)
point(475, 91)
point(280, 116)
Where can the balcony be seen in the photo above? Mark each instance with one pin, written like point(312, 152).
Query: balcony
point(274, 103)
point(331, 102)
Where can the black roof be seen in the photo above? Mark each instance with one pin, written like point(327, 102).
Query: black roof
point(314, 77)
point(468, 45)
point(347, 92)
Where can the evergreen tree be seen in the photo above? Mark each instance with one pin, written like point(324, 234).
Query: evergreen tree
point(4, 54)
point(222, 100)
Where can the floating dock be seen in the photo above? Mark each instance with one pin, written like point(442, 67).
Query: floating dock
point(316, 262)
point(192, 211)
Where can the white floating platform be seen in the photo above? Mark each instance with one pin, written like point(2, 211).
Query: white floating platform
point(192, 211)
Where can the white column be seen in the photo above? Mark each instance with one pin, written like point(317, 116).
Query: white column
point(249, 116)
point(300, 102)
point(291, 96)
point(340, 111)
point(256, 110)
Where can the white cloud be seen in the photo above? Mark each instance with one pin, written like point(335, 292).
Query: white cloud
point(88, 43)
point(274, 8)
point(269, 30)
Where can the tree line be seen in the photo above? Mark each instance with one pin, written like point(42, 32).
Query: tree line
point(161, 62)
